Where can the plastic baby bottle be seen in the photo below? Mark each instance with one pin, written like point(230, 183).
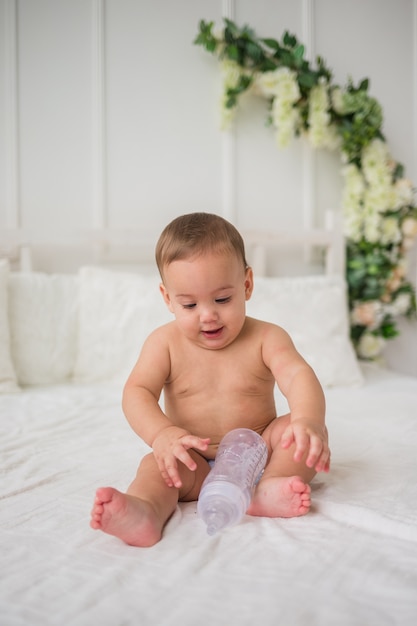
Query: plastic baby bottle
point(228, 488)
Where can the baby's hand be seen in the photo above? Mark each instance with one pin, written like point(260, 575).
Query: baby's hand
point(309, 437)
point(170, 445)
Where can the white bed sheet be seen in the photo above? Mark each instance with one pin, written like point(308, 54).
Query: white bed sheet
point(351, 561)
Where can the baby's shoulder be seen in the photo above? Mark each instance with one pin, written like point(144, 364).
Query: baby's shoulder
point(165, 330)
point(268, 336)
point(263, 327)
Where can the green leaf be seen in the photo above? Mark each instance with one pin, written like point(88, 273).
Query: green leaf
point(254, 51)
point(233, 52)
point(307, 79)
point(289, 40)
point(267, 65)
point(231, 26)
point(271, 43)
point(364, 84)
point(389, 329)
point(205, 37)
point(299, 51)
point(399, 171)
point(231, 102)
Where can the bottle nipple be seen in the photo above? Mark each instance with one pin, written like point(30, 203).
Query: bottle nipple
point(218, 512)
point(215, 521)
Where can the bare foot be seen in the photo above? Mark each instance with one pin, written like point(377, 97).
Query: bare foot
point(281, 497)
point(129, 518)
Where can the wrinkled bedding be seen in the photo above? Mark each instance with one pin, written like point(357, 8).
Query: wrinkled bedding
point(351, 561)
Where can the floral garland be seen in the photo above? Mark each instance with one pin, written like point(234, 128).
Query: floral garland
point(379, 210)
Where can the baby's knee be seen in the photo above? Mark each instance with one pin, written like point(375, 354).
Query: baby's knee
point(274, 431)
point(147, 462)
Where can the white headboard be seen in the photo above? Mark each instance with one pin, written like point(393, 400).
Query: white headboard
point(287, 252)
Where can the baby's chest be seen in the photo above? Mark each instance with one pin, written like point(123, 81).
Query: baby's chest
point(246, 374)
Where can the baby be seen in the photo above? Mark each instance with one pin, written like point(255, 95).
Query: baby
point(217, 368)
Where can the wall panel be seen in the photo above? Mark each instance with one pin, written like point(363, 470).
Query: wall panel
point(54, 73)
point(269, 180)
point(162, 94)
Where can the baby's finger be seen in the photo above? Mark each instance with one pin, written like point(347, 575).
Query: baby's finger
point(190, 441)
point(185, 458)
point(167, 478)
point(171, 475)
point(323, 464)
point(287, 438)
point(315, 452)
point(302, 442)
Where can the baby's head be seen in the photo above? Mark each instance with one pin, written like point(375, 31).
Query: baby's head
point(195, 234)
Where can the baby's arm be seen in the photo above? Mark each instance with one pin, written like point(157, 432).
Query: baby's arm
point(141, 394)
point(301, 387)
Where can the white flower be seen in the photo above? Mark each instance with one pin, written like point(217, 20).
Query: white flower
point(370, 346)
point(231, 73)
point(318, 115)
point(390, 231)
point(281, 82)
point(403, 193)
point(377, 172)
point(321, 133)
point(372, 225)
point(352, 201)
point(285, 119)
point(375, 160)
point(281, 85)
point(355, 183)
point(400, 305)
point(337, 96)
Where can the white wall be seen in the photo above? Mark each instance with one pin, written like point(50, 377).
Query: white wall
point(109, 120)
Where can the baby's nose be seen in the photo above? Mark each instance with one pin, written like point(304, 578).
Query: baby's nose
point(208, 313)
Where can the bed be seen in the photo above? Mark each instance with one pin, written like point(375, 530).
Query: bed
point(67, 343)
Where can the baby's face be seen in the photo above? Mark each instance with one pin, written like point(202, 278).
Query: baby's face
point(207, 295)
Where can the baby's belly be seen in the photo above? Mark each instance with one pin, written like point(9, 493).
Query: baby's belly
point(213, 416)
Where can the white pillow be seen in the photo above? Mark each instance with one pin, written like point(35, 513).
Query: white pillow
point(314, 311)
point(43, 326)
point(117, 312)
point(8, 382)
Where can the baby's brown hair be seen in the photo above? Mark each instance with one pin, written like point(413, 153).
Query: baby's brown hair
point(196, 233)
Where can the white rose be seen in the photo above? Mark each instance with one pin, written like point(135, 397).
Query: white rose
point(403, 193)
point(390, 231)
point(372, 223)
point(401, 304)
point(370, 346)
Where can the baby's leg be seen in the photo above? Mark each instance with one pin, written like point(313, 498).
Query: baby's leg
point(283, 490)
point(138, 517)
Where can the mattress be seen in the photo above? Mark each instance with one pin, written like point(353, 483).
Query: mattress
point(351, 561)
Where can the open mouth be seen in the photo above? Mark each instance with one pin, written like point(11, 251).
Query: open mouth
point(212, 334)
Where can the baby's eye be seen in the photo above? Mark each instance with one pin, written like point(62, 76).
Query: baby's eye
point(189, 306)
point(223, 300)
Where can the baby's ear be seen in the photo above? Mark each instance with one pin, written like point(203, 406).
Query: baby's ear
point(248, 283)
point(166, 297)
